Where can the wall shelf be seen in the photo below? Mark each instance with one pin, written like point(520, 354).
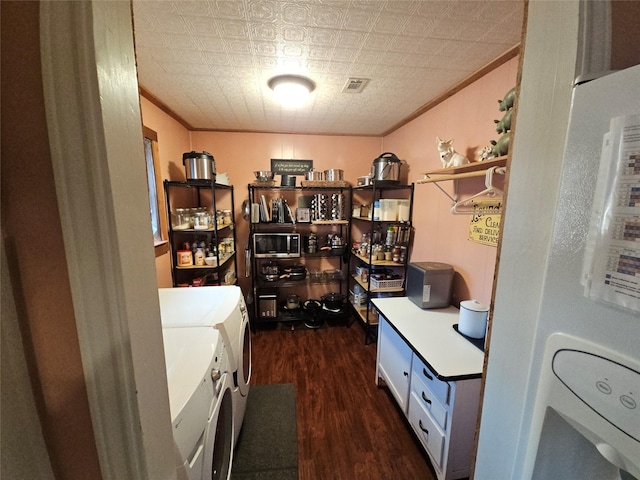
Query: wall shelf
point(474, 169)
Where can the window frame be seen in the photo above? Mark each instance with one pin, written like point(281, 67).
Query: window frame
point(160, 246)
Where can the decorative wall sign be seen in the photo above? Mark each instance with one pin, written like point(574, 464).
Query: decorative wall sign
point(290, 167)
point(484, 226)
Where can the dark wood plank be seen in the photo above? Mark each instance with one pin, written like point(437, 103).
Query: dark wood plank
point(348, 428)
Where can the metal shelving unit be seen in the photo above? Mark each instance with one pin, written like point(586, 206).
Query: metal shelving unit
point(366, 313)
point(213, 196)
point(310, 286)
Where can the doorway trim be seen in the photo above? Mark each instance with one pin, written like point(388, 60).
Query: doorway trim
point(95, 136)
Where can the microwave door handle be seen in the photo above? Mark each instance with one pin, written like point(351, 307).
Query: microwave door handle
point(288, 243)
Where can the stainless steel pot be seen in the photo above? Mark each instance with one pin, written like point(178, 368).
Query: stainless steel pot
point(199, 165)
point(314, 176)
point(364, 181)
point(333, 175)
point(386, 168)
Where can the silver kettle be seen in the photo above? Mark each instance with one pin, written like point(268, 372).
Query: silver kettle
point(386, 168)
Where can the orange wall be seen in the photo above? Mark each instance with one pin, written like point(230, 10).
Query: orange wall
point(440, 236)
point(240, 154)
point(467, 117)
point(173, 141)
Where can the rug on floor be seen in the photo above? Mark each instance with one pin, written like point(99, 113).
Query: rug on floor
point(267, 448)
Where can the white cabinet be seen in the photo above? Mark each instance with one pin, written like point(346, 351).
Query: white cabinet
point(394, 363)
point(435, 376)
point(445, 425)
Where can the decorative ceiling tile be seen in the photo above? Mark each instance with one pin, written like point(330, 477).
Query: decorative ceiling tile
point(238, 47)
point(263, 11)
point(264, 32)
point(361, 21)
point(390, 24)
point(201, 25)
point(167, 23)
point(209, 61)
point(233, 29)
point(215, 58)
point(292, 50)
point(377, 42)
point(419, 26)
point(321, 36)
point(199, 8)
point(295, 14)
point(293, 34)
point(231, 9)
point(327, 17)
point(209, 43)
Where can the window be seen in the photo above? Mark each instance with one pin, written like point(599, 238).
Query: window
point(156, 202)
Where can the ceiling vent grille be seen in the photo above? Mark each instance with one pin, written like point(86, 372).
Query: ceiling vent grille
point(355, 85)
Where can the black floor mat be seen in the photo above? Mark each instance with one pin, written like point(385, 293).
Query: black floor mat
point(267, 448)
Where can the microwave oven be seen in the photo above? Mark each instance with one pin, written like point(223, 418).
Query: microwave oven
point(276, 245)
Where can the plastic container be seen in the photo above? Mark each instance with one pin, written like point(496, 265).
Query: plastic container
point(403, 210)
point(376, 210)
point(388, 209)
point(185, 258)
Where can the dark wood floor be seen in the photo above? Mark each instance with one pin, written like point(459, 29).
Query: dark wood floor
point(348, 428)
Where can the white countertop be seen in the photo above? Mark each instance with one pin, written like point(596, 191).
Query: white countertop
point(431, 335)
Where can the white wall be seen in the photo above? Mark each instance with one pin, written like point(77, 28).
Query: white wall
point(543, 111)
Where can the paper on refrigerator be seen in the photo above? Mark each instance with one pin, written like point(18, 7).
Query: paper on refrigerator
point(611, 271)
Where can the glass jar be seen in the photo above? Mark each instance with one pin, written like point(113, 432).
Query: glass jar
point(226, 217)
point(180, 219)
point(201, 220)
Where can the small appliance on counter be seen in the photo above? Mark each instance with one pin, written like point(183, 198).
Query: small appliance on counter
point(429, 284)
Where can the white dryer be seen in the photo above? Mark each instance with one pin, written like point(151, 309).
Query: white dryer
point(200, 401)
point(224, 309)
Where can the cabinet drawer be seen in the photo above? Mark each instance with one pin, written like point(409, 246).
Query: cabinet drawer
point(439, 388)
point(427, 431)
point(429, 400)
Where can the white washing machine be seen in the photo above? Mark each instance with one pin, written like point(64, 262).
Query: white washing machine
point(224, 309)
point(200, 400)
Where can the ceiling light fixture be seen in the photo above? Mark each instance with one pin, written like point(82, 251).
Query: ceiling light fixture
point(291, 90)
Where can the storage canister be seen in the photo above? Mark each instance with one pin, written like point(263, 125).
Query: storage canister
point(429, 284)
point(185, 258)
point(473, 319)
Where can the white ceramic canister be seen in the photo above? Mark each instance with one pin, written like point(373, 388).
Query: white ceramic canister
point(472, 321)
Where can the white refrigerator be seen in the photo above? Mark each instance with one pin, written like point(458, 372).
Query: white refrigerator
point(581, 416)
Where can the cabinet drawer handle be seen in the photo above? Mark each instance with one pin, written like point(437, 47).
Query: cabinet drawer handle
point(406, 374)
point(422, 427)
point(424, 397)
point(424, 371)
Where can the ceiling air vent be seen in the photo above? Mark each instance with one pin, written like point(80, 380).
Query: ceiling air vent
point(355, 85)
